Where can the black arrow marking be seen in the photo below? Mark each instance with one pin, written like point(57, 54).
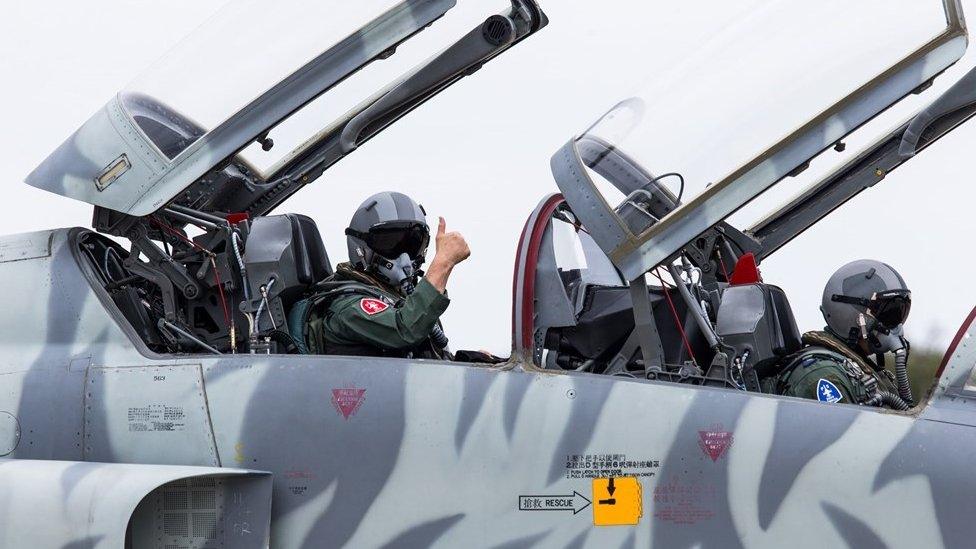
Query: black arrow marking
point(585, 505)
point(611, 488)
point(555, 503)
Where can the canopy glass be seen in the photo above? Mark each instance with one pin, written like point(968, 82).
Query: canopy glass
point(775, 83)
point(239, 54)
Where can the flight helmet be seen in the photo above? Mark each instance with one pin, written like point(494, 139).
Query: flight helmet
point(388, 238)
point(868, 300)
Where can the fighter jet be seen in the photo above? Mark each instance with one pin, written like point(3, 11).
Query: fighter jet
point(154, 400)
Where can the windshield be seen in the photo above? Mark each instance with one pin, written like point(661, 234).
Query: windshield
point(763, 70)
point(243, 51)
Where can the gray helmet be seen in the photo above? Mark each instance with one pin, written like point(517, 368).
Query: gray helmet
point(388, 237)
point(867, 300)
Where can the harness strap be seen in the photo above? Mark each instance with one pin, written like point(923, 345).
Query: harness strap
point(862, 374)
point(321, 300)
point(829, 341)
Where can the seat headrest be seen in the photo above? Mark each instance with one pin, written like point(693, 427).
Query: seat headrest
point(791, 336)
point(311, 260)
point(289, 249)
point(757, 318)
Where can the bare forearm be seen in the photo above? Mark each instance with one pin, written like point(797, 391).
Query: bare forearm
point(438, 273)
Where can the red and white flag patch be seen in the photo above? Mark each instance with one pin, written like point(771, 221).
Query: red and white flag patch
point(372, 306)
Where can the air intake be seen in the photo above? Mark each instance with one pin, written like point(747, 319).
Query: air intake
point(129, 505)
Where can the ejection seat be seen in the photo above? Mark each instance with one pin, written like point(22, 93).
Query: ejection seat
point(285, 256)
point(756, 320)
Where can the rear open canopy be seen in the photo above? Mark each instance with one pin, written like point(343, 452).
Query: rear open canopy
point(775, 84)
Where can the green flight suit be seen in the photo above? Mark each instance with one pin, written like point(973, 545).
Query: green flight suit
point(823, 369)
point(365, 317)
point(829, 371)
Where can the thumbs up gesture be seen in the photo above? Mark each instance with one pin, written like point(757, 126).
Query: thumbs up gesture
point(451, 250)
point(451, 247)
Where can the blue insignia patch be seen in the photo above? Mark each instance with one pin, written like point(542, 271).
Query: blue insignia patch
point(828, 392)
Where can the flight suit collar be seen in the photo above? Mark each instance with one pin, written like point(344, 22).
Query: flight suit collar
point(835, 344)
point(347, 272)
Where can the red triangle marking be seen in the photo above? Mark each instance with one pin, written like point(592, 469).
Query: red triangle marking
point(347, 401)
point(714, 443)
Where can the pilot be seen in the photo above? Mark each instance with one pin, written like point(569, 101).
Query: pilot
point(381, 303)
point(865, 305)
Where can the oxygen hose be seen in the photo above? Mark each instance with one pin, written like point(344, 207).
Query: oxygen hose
point(901, 375)
point(894, 401)
point(438, 337)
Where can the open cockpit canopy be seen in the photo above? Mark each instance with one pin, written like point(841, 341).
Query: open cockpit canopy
point(177, 133)
point(776, 84)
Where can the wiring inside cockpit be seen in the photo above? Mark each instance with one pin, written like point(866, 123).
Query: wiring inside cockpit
point(674, 312)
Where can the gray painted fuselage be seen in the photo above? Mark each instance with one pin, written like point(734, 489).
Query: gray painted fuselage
point(429, 453)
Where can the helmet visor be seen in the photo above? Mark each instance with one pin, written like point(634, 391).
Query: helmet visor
point(393, 238)
point(890, 308)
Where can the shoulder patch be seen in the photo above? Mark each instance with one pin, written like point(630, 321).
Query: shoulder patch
point(828, 392)
point(372, 306)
